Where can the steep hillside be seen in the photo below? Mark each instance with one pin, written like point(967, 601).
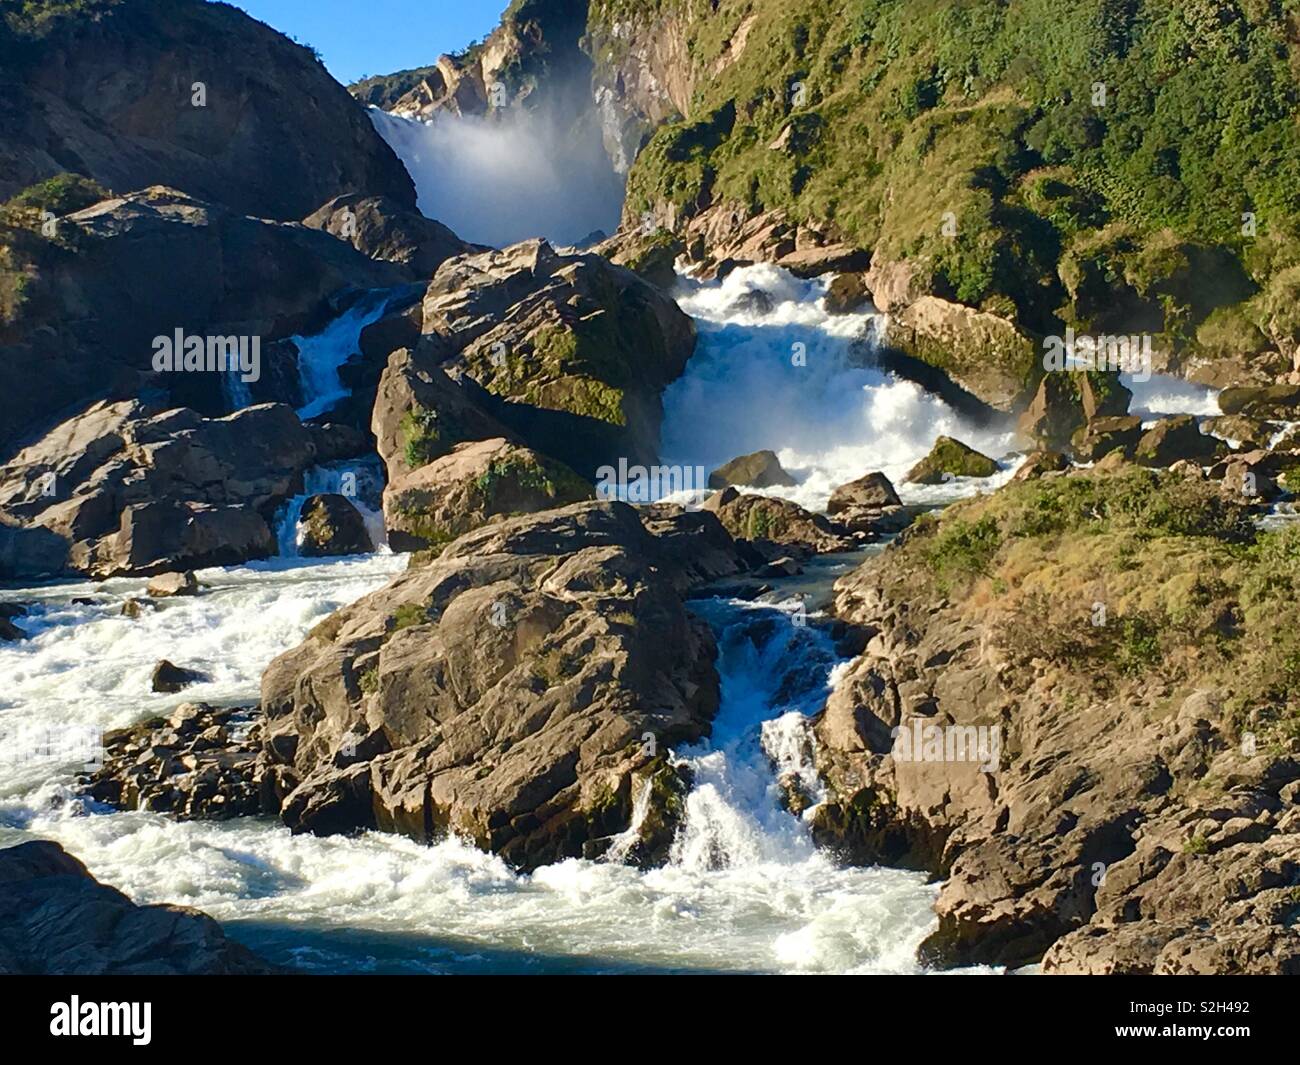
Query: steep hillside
point(194, 95)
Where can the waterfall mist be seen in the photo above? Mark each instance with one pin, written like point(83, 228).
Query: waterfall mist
point(508, 177)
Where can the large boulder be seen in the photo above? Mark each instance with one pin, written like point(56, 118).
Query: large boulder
point(870, 491)
point(127, 490)
point(1281, 402)
point(421, 413)
point(575, 350)
point(1101, 436)
point(984, 354)
point(1065, 402)
point(58, 920)
point(951, 458)
point(762, 469)
point(518, 690)
point(775, 528)
point(195, 95)
point(470, 485)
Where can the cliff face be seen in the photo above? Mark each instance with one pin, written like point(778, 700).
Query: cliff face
point(193, 95)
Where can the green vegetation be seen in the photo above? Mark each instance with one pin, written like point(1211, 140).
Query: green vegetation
point(408, 615)
point(1116, 579)
point(368, 682)
point(1093, 158)
point(426, 435)
point(518, 474)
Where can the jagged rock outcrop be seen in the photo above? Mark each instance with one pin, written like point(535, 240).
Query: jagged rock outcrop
point(179, 92)
point(119, 274)
point(127, 490)
point(1061, 747)
point(575, 349)
point(508, 691)
point(58, 920)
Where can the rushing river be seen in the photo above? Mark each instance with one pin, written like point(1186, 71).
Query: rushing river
point(745, 889)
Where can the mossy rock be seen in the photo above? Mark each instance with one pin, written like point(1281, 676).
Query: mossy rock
point(949, 456)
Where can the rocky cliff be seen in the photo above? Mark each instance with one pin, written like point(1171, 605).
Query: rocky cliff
point(185, 93)
point(1074, 704)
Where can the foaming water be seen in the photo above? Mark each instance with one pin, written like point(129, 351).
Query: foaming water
point(773, 369)
point(509, 178)
point(321, 354)
point(1162, 395)
point(745, 890)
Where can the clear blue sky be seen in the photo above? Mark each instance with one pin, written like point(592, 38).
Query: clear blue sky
point(360, 37)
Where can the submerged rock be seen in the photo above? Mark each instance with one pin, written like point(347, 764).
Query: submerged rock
point(168, 677)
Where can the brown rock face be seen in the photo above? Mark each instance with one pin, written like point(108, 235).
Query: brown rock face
point(194, 95)
point(774, 528)
point(382, 229)
point(58, 920)
point(575, 350)
point(1173, 439)
point(1122, 831)
point(127, 491)
point(762, 469)
point(470, 485)
point(505, 691)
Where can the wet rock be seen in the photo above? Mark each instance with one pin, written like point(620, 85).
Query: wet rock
point(846, 294)
point(169, 678)
point(58, 920)
point(1176, 438)
point(9, 632)
point(872, 491)
point(199, 763)
point(762, 469)
point(512, 679)
point(949, 456)
point(168, 585)
point(333, 526)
